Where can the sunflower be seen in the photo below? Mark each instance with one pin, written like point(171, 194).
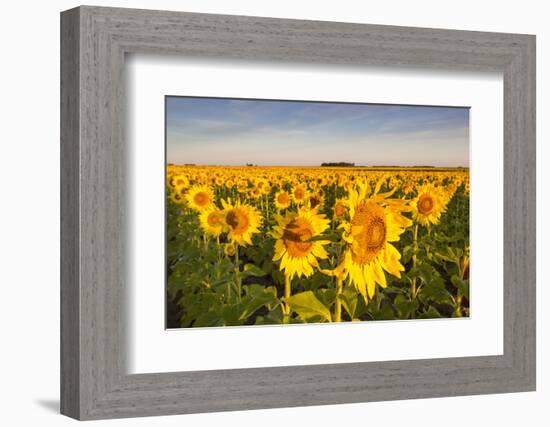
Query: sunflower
point(299, 194)
point(428, 205)
point(200, 197)
point(254, 193)
point(340, 208)
point(263, 186)
point(229, 249)
point(176, 196)
point(241, 221)
point(242, 185)
point(293, 248)
point(408, 187)
point(449, 191)
point(374, 223)
point(179, 181)
point(282, 200)
point(316, 200)
point(212, 221)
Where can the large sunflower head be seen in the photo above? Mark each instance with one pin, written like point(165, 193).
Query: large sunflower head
point(373, 224)
point(241, 221)
point(428, 205)
point(294, 248)
point(200, 198)
point(212, 221)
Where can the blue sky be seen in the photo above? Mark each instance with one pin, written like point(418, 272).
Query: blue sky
point(211, 131)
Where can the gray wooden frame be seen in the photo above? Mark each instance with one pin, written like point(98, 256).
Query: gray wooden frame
point(94, 41)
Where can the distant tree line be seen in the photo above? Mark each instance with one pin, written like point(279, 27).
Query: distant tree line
point(339, 164)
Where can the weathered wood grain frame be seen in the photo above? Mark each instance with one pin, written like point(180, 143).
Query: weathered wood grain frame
point(94, 41)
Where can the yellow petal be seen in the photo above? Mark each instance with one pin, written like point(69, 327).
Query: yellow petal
point(379, 274)
point(371, 283)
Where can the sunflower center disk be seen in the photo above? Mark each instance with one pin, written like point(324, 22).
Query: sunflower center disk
point(237, 220)
point(283, 199)
point(201, 199)
point(295, 237)
point(214, 219)
point(371, 238)
point(299, 194)
point(425, 204)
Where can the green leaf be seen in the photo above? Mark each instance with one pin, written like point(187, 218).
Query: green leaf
point(231, 314)
point(394, 289)
point(425, 272)
point(384, 313)
point(210, 318)
point(387, 312)
point(404, 306)
point(326, 296)
point(349, 301)
point(463, 286)
point(257, 299)
point(413, 273)
point(252, 270)
point(308, 306)
point(267, 265)
point(278, 276)
point(407, 253)
point(435, 291)
point(275, 317)
point(430, 313)
point(450, 255)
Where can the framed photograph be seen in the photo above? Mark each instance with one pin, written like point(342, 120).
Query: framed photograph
point(347, 211)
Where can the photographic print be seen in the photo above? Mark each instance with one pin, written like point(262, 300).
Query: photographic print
point(291, 212)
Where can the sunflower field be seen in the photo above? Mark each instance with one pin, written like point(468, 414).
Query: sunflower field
point(284, 245)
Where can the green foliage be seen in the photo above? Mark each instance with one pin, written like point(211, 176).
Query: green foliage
point(203, 288)
point(308, 307)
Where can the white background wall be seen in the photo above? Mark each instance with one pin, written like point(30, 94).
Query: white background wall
point(29, 212)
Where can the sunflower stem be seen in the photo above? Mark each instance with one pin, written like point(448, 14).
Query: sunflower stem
point(415, 247)
point(237, 274)
point(377, 297)
point(458, 311)
point(286, 308)
point(338, 306)
point(228, 292)
point(262, 204)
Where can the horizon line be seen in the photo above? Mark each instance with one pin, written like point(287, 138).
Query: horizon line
point(319, 166)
